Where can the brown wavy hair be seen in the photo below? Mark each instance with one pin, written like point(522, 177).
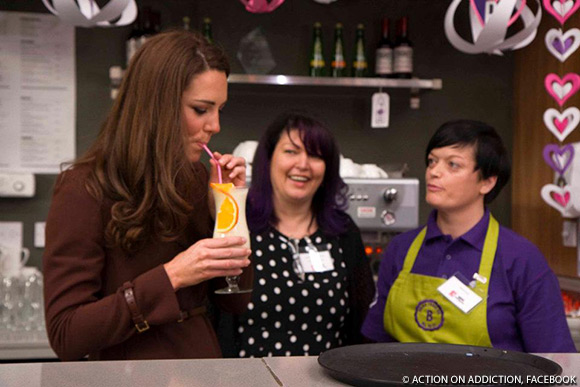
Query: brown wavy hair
point(139, 160)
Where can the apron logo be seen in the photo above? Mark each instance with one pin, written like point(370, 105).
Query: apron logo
point(429, 315)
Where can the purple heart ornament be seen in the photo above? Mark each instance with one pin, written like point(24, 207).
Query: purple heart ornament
point(562, 48)
point(558, 158)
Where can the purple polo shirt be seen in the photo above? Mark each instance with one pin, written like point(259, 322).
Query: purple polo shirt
point(525, 311)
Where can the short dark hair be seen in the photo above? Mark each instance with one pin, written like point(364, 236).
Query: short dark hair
point(491, 157)
point(329, 200)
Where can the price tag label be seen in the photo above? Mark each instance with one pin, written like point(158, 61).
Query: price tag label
point(380, 110)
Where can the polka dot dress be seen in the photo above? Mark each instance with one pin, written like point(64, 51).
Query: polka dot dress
point(289, 316)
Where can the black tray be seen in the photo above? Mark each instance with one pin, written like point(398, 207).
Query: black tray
point(397, 364)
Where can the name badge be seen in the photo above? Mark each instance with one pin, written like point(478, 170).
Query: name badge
point(316, 261)
point(459, 294)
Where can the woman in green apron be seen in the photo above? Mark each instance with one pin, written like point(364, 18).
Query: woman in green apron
point(463, 278)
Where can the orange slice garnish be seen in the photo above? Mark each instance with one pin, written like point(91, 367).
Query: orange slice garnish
point(227, 216)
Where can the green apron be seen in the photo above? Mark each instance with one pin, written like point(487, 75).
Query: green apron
point(417, 312)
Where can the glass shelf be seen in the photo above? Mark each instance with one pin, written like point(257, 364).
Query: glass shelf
point(296, 80)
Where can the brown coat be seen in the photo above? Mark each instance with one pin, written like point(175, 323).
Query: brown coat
point(86, 311)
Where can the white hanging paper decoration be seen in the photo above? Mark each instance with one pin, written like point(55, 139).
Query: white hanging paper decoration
point(489, 31)
point(88, 14)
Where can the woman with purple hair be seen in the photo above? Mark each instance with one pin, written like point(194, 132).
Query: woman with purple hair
point(312, 281)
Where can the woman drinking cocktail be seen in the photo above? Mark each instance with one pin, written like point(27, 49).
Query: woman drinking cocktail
point(129, 261)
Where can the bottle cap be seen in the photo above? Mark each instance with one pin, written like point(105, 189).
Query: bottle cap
point(360, 26)
point(338, 25)
point(317, 24)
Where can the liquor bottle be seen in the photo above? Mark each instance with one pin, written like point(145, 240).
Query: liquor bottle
point(186, 23)
point(338, 63)
point(359, 62)
point(156, 22)
point(133, 42)
point(317, 63)
point(206, 29)
point(403, 51)
point(148, 29)
point(384, 53)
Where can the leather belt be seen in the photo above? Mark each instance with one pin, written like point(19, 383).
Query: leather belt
point(136, 315)
point(186, 314)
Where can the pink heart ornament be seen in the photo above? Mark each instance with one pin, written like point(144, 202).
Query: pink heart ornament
point(261, 6)
point(561, 9)
point(561, 199)
point(562, 124)
point(561, 89)
point(557, 197)
point(556, 35)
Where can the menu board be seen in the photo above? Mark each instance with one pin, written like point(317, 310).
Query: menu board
point(37, 93)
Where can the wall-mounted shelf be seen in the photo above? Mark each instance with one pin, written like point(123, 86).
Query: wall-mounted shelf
point(414, 84)
point(296, 80)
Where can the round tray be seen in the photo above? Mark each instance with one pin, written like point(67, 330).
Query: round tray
point(397, 364)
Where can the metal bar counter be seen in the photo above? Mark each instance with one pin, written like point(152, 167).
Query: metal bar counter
point(272, 371)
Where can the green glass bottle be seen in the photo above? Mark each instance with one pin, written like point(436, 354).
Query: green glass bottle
point(317, 63)
point(186, 21)
point(359, 61)
point(206, 29)
point(338, 63)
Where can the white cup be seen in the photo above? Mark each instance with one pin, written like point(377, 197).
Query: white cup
point(12, 260)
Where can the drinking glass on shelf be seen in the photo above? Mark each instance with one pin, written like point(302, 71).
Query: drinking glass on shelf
point(230, 205)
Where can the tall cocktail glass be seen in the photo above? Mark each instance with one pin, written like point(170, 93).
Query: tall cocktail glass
point(230, 208)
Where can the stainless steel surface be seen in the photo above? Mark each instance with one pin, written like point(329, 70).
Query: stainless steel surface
point(23, 345)
point(384, 205)
point(569, 283)
point(272, 371)
point(296, 80)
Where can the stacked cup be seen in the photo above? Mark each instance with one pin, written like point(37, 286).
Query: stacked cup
point(21, 302)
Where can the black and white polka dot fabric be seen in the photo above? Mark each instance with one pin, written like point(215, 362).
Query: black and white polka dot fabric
point(289, 316)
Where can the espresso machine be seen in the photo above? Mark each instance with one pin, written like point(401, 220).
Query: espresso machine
point(382, 208)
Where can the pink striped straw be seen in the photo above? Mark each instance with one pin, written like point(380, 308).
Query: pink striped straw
point(219, 168)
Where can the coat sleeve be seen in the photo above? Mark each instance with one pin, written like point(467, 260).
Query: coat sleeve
point(361, 285)
point(80, 319)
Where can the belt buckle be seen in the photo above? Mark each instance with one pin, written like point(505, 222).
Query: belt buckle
point(183, 315)
point(142, 326)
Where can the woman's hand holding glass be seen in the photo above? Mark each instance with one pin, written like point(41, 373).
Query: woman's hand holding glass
point(207, 259)
point(233, 169)
point(229, 200)
point(215, 257)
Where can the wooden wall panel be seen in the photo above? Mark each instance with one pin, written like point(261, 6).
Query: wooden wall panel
point(531, 217)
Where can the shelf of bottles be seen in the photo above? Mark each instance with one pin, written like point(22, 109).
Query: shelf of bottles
point(297, 80)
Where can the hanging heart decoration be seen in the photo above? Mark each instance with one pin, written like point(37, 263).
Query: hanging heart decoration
point(261, 6)
point(561, 9)
point(562, 88)
point(489, 21)
point(557, 197)
point(562, 45)
point(558, 158)
point(562, 124)
point(86, 13)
